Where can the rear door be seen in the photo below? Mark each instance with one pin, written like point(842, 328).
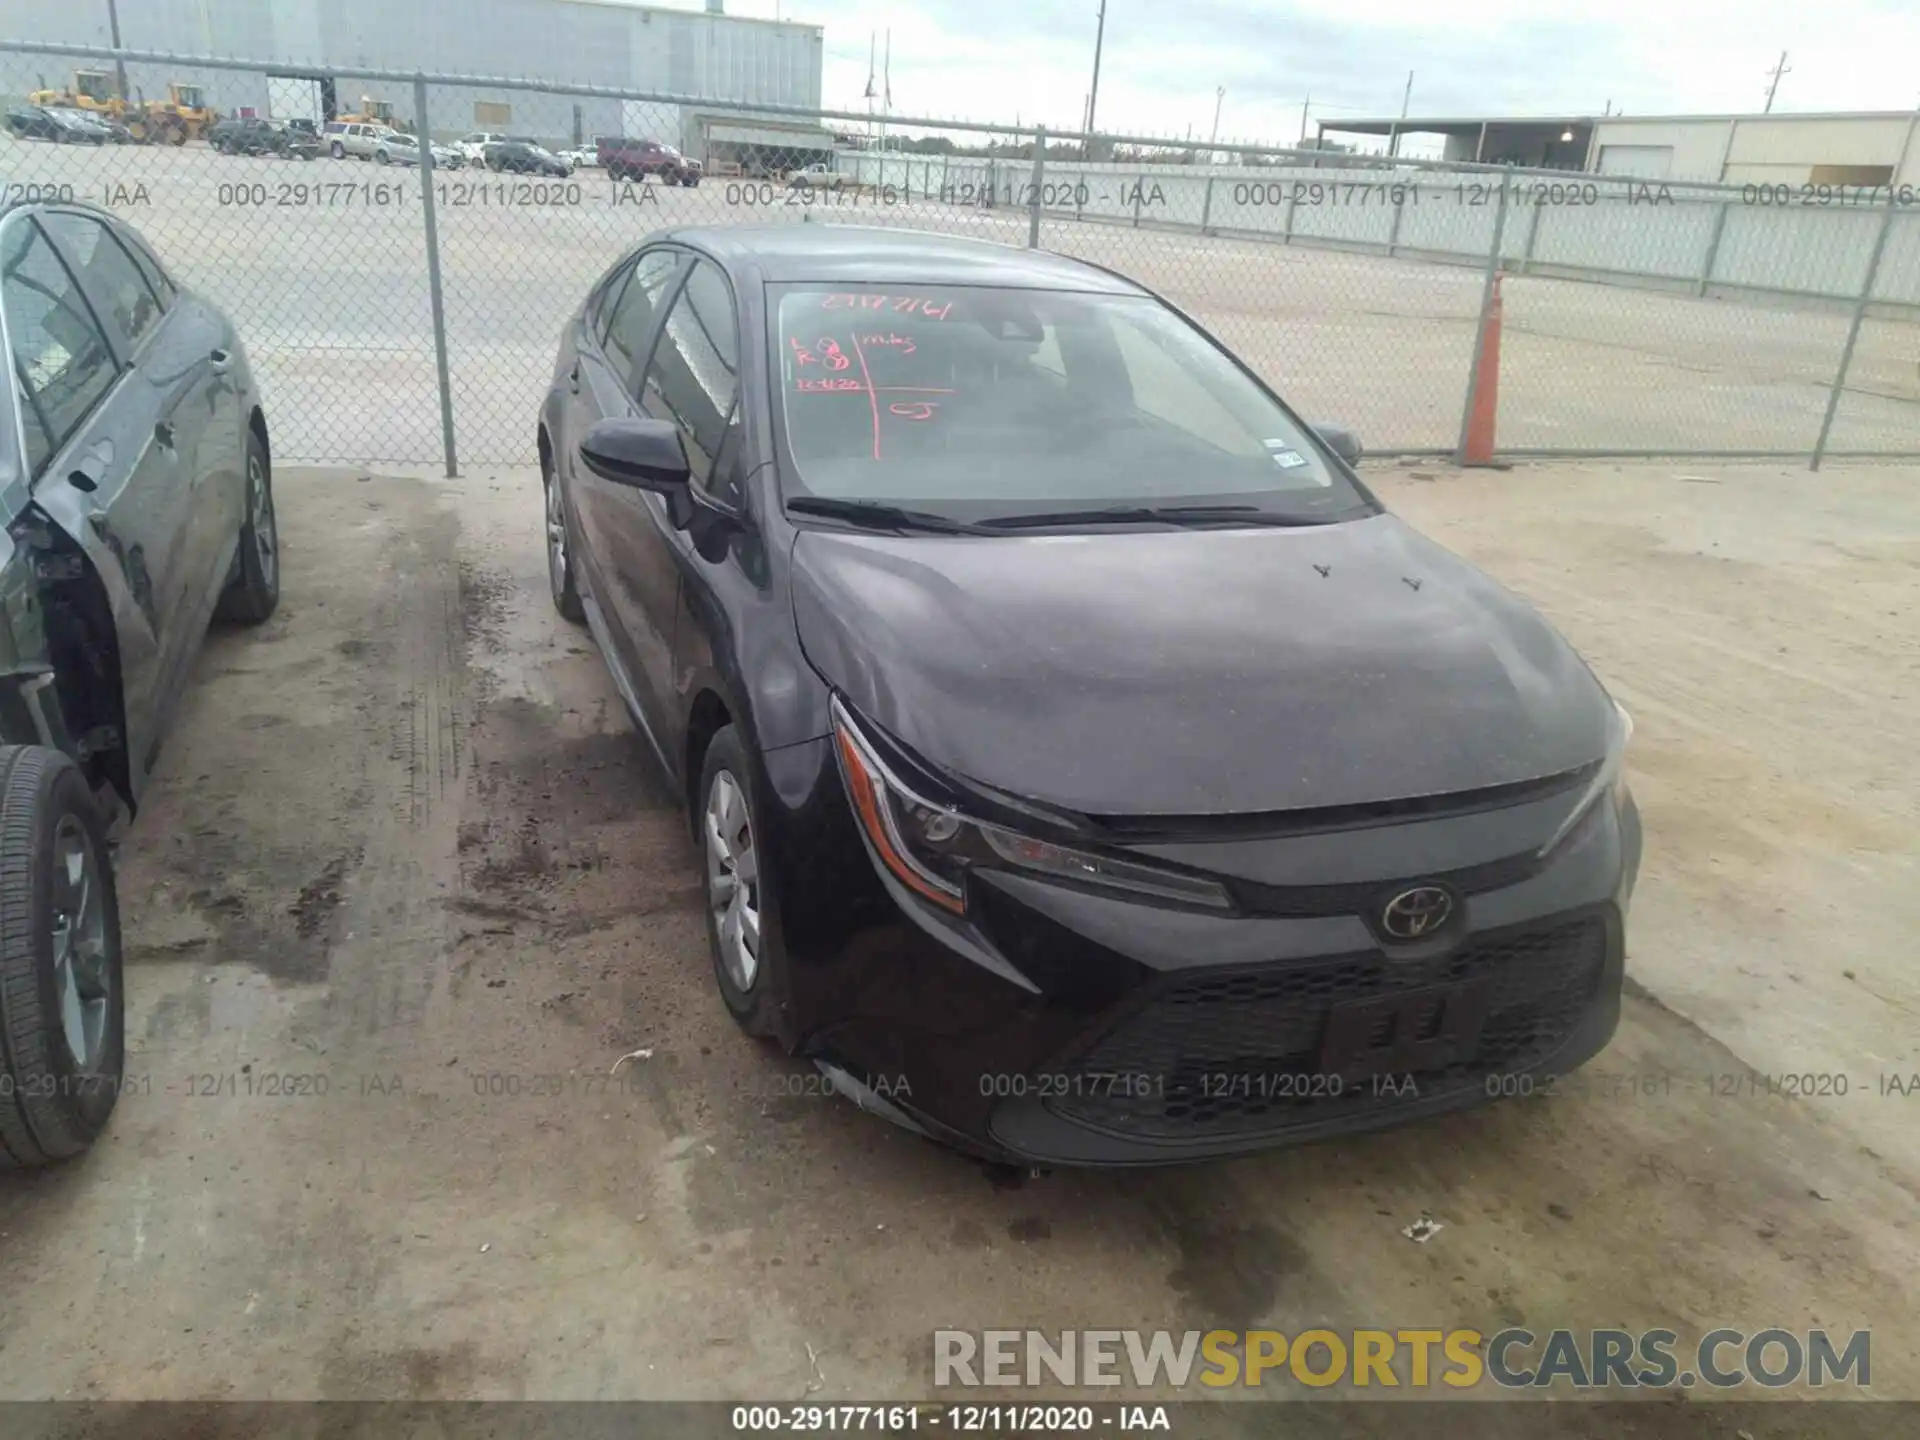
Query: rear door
point(96, 468)
point(182, 348)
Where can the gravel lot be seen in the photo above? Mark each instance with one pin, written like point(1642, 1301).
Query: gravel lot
point(404, 844)
point(323, 265)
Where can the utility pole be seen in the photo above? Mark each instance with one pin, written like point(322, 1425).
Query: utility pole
point(119, 65)
point(1303, 121)
point(1099, 39)
point(1778, 70)
point(1219, 94)
point(1406, 98)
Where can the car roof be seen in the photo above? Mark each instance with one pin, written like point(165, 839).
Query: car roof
point(884, 254)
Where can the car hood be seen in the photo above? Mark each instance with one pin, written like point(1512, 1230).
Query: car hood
point(1197, 672)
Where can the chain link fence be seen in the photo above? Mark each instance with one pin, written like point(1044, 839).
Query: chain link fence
point(402, 301)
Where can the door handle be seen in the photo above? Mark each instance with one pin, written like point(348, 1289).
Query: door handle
point(220, 361)
point(163, 434)
point(573, 379)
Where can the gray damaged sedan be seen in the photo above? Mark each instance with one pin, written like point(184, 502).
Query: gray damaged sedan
point(136, 491)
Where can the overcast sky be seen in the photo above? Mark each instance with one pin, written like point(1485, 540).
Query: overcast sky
point(992, 59)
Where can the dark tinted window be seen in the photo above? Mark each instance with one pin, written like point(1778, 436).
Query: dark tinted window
point(693, 376)
point(633, 313)
point(60, 357)
point(108, 270)
point(149, 264)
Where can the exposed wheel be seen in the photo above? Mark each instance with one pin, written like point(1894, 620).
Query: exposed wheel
point(743, 932)
point(338, 151)
point(253, 587)
point(177, 135)
point(566, 595)
point(381, 157)
point(62, 1015)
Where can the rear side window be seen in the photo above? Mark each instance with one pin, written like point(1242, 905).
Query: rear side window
point(633, 311)
point(695, 369)
point(109, 272)
point(60, 357)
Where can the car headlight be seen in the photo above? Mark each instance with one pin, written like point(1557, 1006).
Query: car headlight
point(929, 847)
point(1609, 780)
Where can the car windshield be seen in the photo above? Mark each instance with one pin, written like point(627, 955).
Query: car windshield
point(985, 403)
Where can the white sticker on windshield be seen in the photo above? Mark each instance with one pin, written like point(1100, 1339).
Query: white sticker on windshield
point(1288, 459)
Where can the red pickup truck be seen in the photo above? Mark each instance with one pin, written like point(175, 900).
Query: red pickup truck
point(625, 158)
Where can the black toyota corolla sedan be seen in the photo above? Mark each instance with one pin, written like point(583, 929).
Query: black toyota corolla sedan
point(1089, 769)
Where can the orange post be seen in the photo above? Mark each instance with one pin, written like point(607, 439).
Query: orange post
point(1481, 418)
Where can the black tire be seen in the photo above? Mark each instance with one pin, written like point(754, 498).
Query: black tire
point(756, 1007)
point(560, 580)
point(338, 151)
point(253, 585)
point(54, 1103)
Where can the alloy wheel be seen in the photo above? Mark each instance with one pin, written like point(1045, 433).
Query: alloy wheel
point(266, 542)
point(733, 881)
point(556, 541)
point(82, 980)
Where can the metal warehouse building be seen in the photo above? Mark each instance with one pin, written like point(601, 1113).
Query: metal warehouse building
point(590, 42)
point(1854, 148)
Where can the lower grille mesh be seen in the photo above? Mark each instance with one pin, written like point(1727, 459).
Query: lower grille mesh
point(1227, 1053)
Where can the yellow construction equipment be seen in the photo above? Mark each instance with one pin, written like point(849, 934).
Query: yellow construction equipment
point(184, 115)
point(374, 112)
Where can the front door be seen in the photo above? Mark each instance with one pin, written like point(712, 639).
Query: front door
point(633, 581)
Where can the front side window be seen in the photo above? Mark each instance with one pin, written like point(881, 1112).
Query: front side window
point(108, 271)
point(60, 358)
point(695, 370)
point(986, 403)
point(632, 316)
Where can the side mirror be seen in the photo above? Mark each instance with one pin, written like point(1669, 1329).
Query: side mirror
point(1342, 441)
point(646, 454)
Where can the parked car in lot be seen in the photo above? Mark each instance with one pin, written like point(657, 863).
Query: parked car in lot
point(473, 148)
point(816, 177)
point(256, 135)
point(136, 475)
point(62, 125)
point(581, 157)
point(630, 159)
point(1088, 769)
point(356, 138)
point(524, 158)
point(398, 148)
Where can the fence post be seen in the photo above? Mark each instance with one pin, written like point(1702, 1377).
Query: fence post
point(1139, 185)
point(425, 132)
point(1399, 208)
point(1033, 200)
point(1206, 206)
point(1713, 249)
point(1293, 199)
point(1533, 228)
point(1853, 334)
point(1480, 326)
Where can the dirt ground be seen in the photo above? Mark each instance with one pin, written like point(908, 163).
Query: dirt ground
point(408, 887)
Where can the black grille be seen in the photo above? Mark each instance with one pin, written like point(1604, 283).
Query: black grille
point(1238, 1052)
point(1359, 899)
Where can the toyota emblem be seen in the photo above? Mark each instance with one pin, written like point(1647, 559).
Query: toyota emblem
point(1417, 913)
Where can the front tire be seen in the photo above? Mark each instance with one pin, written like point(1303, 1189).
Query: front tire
point(253, 589)
point(339, 151)
point(62, 1006)
point(743, 930)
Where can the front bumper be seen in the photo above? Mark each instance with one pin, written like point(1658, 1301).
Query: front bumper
point(1057, 1027)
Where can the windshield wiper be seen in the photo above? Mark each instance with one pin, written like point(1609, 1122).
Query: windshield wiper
point(880, 516)
point(1149, 515)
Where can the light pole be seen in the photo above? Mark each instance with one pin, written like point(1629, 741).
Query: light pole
point(1099, 39)
point(119, 65)
point(1219, 94)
